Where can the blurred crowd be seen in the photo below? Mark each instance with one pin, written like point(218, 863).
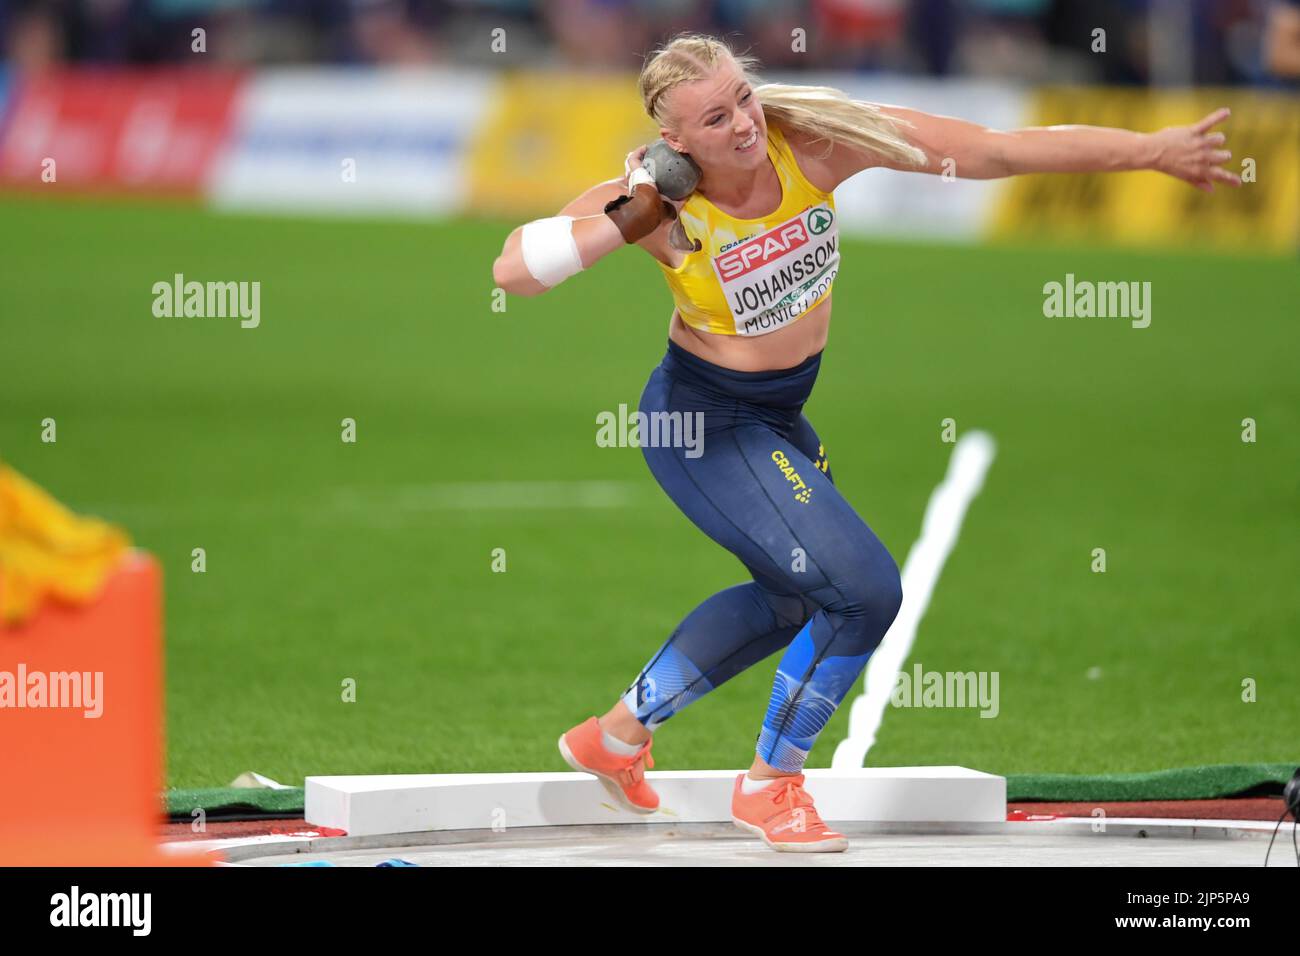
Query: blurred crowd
point(1140, 41)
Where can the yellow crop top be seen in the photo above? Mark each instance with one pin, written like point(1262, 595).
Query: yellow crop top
point(754, 276)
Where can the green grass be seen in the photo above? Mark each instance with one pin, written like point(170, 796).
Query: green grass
point(320, 567)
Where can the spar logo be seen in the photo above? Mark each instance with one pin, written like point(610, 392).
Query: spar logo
point(762, 249)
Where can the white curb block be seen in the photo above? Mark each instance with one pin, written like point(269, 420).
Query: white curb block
point(412, 803)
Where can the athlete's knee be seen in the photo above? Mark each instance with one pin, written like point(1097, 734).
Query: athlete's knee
point(789, 605)
point(871, 598)
point(888, 593)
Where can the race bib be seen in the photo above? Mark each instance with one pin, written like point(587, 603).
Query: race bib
point(771, 279)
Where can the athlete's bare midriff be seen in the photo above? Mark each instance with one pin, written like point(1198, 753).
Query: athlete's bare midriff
point(784, 348)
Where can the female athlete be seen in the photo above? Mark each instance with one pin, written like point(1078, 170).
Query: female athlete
point(750, 258)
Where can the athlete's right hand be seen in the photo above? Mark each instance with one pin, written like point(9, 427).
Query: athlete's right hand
point(636, 160)
point(644, 210)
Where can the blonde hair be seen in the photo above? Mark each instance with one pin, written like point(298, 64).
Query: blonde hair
point(823, 112)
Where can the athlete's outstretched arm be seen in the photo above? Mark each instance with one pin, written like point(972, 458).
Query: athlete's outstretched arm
point(1190, 153)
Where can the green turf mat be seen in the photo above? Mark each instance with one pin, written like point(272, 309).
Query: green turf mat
point(183, 803)
point(1179, 783)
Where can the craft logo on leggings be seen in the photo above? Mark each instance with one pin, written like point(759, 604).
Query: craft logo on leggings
point(775, 277)
point(801, 491)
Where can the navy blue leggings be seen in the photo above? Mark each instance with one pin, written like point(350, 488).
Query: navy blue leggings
point(823, 585)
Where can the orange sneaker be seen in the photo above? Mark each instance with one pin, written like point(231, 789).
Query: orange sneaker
point(623, 776)
point(782, 813)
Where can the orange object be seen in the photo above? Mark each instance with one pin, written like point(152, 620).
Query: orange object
point(83, 757)
point(624, 777)
point(782, 813)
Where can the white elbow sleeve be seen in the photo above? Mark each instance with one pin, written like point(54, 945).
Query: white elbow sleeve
point(550, 251)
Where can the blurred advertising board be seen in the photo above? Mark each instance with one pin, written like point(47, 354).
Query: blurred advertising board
point(547, 137)
point(546, 140)
point(521, 144)
point(352, 141)
point(135, 131)
point(878, 202)
point(1147, 208)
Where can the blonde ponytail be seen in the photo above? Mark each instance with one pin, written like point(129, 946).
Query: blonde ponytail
point(821, 112)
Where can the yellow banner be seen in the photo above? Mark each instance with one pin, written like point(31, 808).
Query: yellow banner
point(1148, 208)
point(550, 137)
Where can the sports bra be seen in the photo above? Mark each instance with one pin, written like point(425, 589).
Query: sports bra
point(754, 276)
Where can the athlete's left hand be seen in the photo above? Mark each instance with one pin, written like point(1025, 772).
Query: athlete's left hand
point(1192, 153)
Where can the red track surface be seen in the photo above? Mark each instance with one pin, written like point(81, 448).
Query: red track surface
point(1240, 808)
